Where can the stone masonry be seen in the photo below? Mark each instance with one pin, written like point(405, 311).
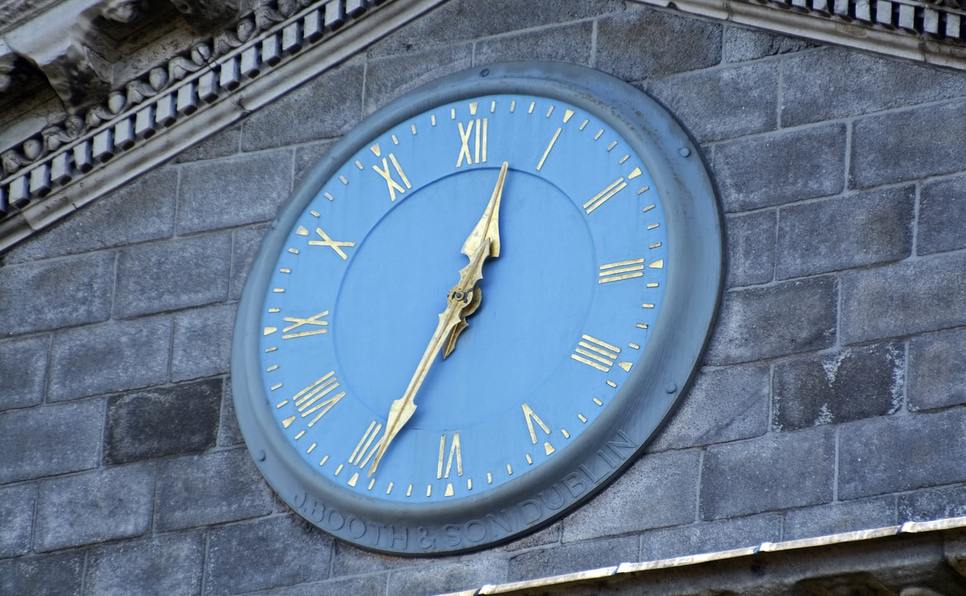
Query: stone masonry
point(831, 397)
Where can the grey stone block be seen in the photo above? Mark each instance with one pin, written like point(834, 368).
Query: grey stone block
point(388, 78)
point(780, 167)
point(50, 440)
point(172, 274)
point(438, 578)
point(233, 191)
point(905, 298)
point(306, 156)
point(221, 144)
point(139, 211)
point(843, 516)
point(937, 370)
point(907, 145)
point(740, 44)
point(94, 507)
point(370, 585)
point(837, 82)
point(845, 232)
point(52, 575)
point(552, 534)
point(17, 513)
point(164, 421)
point(768, 473)
point(168, 565)
point(658, 490)
point(73, 291)
point(277, 551)
point(353, 561)
point(751, 248)
point(722, 103)
point(937, 503)
point(23, 368)
point(202, 342)
point(851, 384)
point(646, 43)
point(211, 488)
point(244, 247)
point(566, 43)
point(725, 404)
point(942, 216)
point(575, 556)
point(778, 320)
point(323, 108)
point(115, 356)
point(706, 537)
point(228, 431)
point(901, 453)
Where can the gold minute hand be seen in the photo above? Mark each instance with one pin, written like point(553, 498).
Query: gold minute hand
point(462, 301)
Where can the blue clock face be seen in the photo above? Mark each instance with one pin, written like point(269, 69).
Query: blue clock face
point(358, 307)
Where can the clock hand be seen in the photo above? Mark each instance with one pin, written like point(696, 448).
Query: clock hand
point(463, 300)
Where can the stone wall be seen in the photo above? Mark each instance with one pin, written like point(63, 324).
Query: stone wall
point(831, 397)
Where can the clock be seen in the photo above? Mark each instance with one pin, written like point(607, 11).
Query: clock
point(477, 309)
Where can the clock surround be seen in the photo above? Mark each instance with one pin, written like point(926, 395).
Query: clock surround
point(619, 432)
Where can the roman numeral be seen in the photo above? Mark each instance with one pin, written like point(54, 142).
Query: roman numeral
point(603, 196)
point(391, 184)
point(595, 353)
point(314, 325)
point(335, 245)
point(530, 417)
point(621, 270)
point(317, 398)
point(474, 131)
point(455, 452)
point(367, 445)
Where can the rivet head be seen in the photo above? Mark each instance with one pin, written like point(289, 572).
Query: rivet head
point(485, 72)
point(260, 455)
point(684, 151)
point(671, 388)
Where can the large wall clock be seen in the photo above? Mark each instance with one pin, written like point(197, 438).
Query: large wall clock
point(477, 309)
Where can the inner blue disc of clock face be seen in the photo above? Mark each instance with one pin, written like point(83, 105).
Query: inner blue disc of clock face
point(566, 312)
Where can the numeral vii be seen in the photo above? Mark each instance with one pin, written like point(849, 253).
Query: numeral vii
point(473, 135)
point(595, 353)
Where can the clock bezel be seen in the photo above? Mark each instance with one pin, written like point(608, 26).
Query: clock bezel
point(636, 411)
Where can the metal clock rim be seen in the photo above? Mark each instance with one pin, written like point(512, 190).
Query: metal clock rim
point(642, 404)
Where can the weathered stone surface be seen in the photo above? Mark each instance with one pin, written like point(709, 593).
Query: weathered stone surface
point(74, 291)
point(817, 87)
point(751, 248)
point(705, 537)
point(110, 357)
point(722, 103)
point(17, 514)
point(233, 191)
point(323, 108)
point(350, 560)
point(937, 503)
point(146, 206)
point(221, 144)
point(754, 172)
point(163, 421)
point(645, 43)
point(50, 440)
point(370, 585)
point(202, 342)
point(52, 575)
point(228, 431)
point(211, 488)
point(928, 139)
point(740, 44)
point(843, 516)
point(778, 320)
point(900, 453)
point(94, 507)
point(388, 78)
point(162, 565)
point(243, 250)
point(439, 578)
point(942, 216)
point(277, 551)
point(937, 370)
point(306, 156)
point(23, 368)
point(725, 404)
point(552, 534)
point(841, 233)
point(850, 384)
point(768, 473)
point(172, 274)
point(567, 43)
point(904, 298)
point(658, 490)
point(576, 556)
